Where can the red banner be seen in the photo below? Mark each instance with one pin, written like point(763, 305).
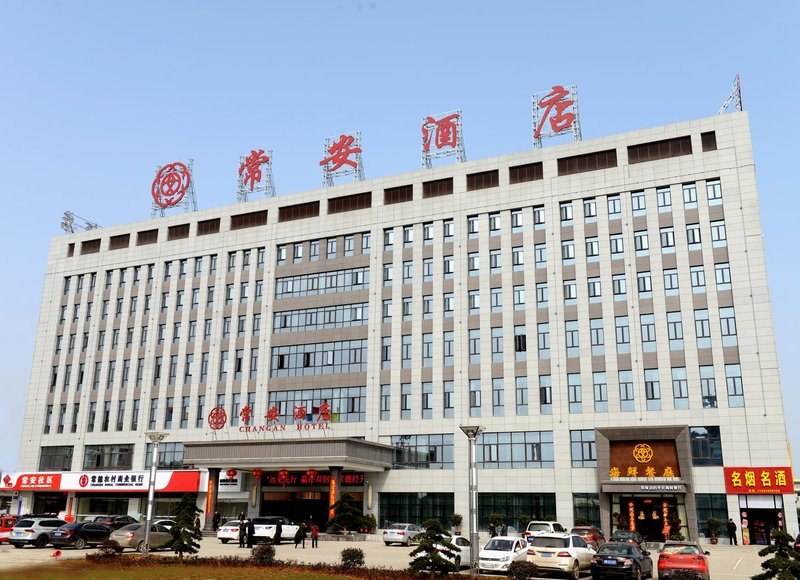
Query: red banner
point(759, 480)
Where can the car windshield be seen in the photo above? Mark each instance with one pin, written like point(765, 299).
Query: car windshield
point(500, 545)
point(680, 549)
point(615, 550)
point(544, 542)
point(24, 524)
point(624, 534)
point(398, 526)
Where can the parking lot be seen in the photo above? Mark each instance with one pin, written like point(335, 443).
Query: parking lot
point(727, 562)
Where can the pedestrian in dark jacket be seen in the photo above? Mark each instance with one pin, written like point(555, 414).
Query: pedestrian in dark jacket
point(300, 536)
point(215, 520)
point(242, 531)
point(732, 532)
point(276, 539)
point(251, 531)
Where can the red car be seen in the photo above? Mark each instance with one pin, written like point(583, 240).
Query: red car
point(591, 535)
point(6, 523)
point(683, 556)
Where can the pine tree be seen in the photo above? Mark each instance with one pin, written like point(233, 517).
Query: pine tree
point(184, 531)
point(435, 554)
point(785, 564)
point(347, 515)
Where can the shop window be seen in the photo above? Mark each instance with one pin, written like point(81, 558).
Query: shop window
point(706, 445)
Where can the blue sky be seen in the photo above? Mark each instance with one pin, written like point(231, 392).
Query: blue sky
point(96, 94)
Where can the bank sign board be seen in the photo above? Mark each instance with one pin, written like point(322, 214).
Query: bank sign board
point(111, 481)
point(759, 480)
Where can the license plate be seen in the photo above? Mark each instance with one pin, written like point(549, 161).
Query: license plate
point(546, 554)
point(610, 562)
point(491, 565)
point(15, 534)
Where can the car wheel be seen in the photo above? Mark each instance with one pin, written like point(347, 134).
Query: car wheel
point(388, 543)
point(225, 540)
point(408, 542)
point(80, 543)
point(575, 573)
point(637, 573)
point(41, 541)
point(18, 545)
point(458, 562)
point(140, 546)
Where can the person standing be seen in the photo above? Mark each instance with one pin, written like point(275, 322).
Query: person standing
point(276, 539)
point(242, 530)
point(215, 521)
point(197, 522)
point(314, 536)
point(492, 530)
point(251, 531)
point(300, 536)
point(504, 529)
point(732, 532)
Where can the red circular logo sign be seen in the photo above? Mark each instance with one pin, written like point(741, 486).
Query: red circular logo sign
point(170, 184)
point(217, 418)
point(83, 481)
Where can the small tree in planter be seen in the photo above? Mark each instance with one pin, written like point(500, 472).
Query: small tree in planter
point(184, 531)
point(714, 526)
point(456, 520)
point(785, 563)
point(435, 554)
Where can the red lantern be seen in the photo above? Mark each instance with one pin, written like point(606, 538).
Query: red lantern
point(311, 475)
point(257, 473)
point(283, 477)
point(231, 473)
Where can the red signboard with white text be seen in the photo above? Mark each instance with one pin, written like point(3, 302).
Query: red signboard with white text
point(759, 480)
point(111, 481)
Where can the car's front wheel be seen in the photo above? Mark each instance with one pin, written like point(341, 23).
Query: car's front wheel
point(140, 546)
point(224, 540)
point(80, 543)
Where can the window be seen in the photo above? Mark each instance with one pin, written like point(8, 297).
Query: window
point(614, 207)
point(497, 344)
point(645, 285)
point(386, 352)
point(545, 395)
point(449, 348)
point(541, 295)
point(386, 402)
point(590, 210)
point(543, 340)
point(680, 388)
point(584, 451)
point(330, 248)
point(313, 253)
point(574, 393)
point(516, 221)
point(297, 253)
point(498, 398)
point(706, 446)
point(538, 218)
point(447, 230)
point(232, 259)
point(623, 334)
point(719, 237)
point(597, 336)
point(107, 457)
point(592, 249)
point(388, 274)
point(427, 270)
point(540, 255)
point(689, 195)
point(619, 287)
point(474, 346)
point(408, 272)
point(474, 398)
point(497, 299)
point(449, 304)
point(565, 212)
point(473, 263)
point(427, 233)
point(714, 192)
point(595, 293)
point(56, 458)
point(494, 224)
point(474, 301)
point(727, 321)
point(366, 242)
point(408, 236)
point(664, 198)
point(722, 274)
point(600, 392)
point(733, 378)
point(641, 243)
point(448, 267)
point(568, 252)
point(667, 240)
point(521, 395)
point(652, 389)
point(570, 292)
point(675, 330)
point(698, 277)
point(472, 227)
point(708, 387)
point(637, 203)
point(617, 247)
point(517, 259)
point(693, 236)
point(626, 401)
point(405, 351)
point(702, 328)
point(449, 391)
point(519, 297)
point(520, 343)
point(427, 400)
point(427, 349)
point(572, 338)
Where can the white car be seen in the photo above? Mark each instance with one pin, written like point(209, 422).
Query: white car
point(542, 527)
point(400, 534)
point(265, 528)
point(461, 551)
point(500, 551)
point(228, 531)
point(567, 553)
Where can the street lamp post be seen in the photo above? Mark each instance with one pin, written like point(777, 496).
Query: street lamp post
point(155, 437)
point(472, 432)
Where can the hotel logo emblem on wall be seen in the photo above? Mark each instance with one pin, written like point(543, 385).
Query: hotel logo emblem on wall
point(173, 186)
point(643, 453)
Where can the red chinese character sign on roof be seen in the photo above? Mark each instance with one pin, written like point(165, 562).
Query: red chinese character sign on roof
point(342, 157)
point(442, 137)
point(255, 175)
point(555, 112)
point(173, 186)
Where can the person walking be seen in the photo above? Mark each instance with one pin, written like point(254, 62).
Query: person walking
point(197, 522)
point(242, 530)
point(276, 539)
point(732, 532)
point(251, 531)
point(215, 521)
point(300, 536)
point(314, 536)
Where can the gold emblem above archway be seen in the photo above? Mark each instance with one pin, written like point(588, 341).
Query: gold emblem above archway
point(643, 453)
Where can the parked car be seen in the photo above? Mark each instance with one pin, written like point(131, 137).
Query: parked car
point(265, 528)
point(461, 551)
point(683, 556)
point(114, 522)
point(400, 534)
point(541, 527)
point(6, 524)
point(591, 535)
point(132, 536)
point(621, 560)
point(80, 534)
point(567, 553)
point(166, 523)
point(228, 532)
point(627, 536)
point(500, 551)
point(35, 531)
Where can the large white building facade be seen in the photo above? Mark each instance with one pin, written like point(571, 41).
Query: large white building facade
point(600, 307)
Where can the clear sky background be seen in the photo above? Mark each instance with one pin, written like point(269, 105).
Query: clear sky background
point(94, 95)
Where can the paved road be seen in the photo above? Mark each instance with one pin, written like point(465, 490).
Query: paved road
point(727, 562)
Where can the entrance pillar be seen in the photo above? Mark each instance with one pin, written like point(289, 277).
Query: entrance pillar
point(211, 499)
point(336, 473)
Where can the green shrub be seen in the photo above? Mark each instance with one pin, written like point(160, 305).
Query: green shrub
point(264, 555)
point(352, 558)
point(521, 570)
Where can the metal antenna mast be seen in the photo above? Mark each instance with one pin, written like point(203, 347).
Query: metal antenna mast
point(735, 96)
point(71, 223)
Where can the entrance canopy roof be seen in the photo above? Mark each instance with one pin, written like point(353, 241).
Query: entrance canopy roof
point(347, 453)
